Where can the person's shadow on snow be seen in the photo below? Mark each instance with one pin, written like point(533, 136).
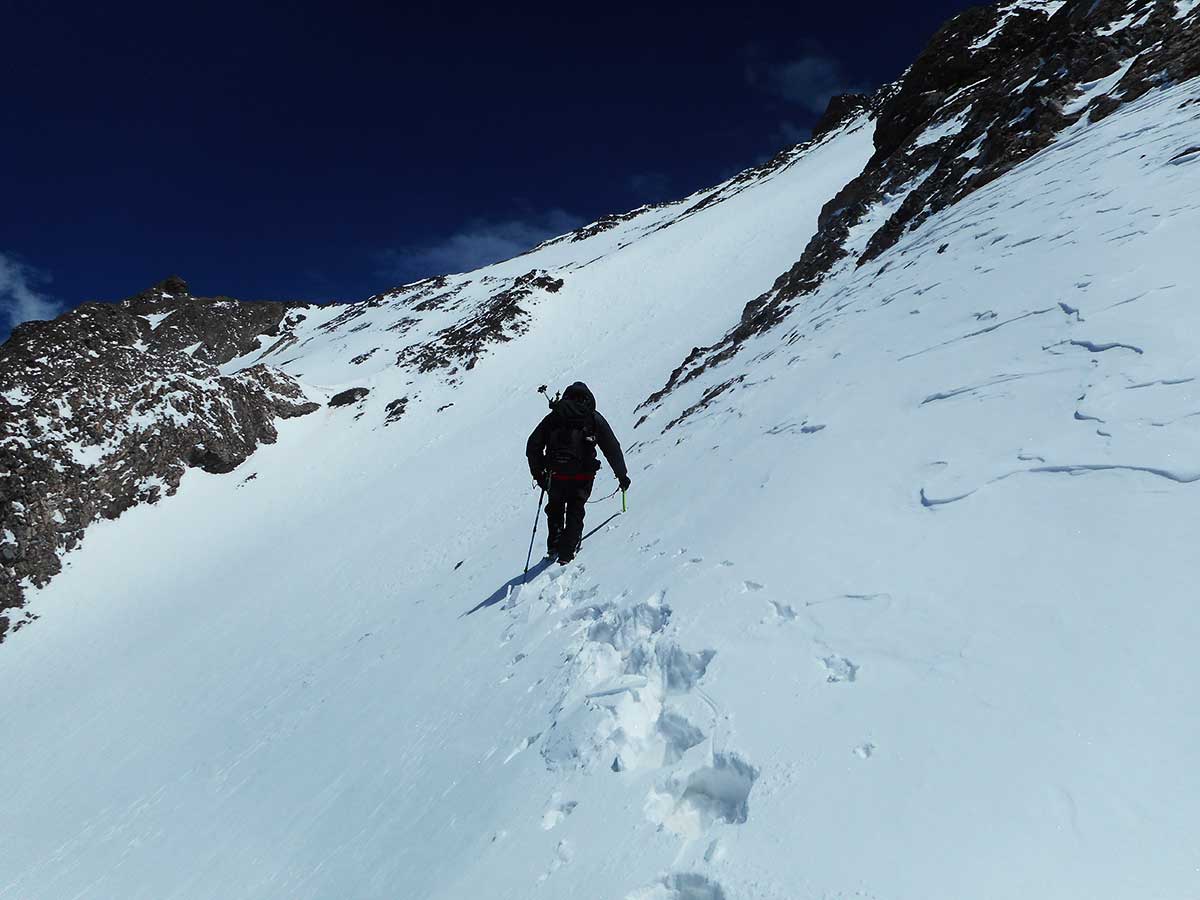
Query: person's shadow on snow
point(503, 591)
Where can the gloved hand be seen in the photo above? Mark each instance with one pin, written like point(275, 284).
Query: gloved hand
point(541, 479)
point(624, 481)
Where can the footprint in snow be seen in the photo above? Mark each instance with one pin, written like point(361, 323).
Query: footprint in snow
point(557, 810)
point(690, 804)
point(563, 854)
point(686, 886)
point(838, 668)
point(522, 747)
point(783, 612)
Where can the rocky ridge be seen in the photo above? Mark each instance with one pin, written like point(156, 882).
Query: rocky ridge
point(108, 405)
point(994, 86)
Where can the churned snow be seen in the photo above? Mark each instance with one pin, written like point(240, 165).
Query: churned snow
point(907, 612)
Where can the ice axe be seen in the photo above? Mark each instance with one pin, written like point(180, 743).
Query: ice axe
point(533, 537)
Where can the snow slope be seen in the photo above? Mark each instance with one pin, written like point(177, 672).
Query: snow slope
point(903, 612)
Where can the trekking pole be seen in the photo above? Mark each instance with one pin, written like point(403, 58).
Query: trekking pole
point(623, 509)
point(533, 537)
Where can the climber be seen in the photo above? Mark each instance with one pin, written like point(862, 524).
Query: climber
point(562, 459)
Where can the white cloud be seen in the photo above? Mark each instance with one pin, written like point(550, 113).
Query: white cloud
point(650, 187)
point(478, 243)
point(19, 302)
point(809, 81)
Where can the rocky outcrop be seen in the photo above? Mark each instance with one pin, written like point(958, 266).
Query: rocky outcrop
point(497, 321)
point(349, 396)
point(994, 86)
point(841, 109)
point(395, 410)
point(211, 329)
point(108, 405)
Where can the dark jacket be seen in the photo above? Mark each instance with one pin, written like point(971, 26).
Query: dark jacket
point(577, 408)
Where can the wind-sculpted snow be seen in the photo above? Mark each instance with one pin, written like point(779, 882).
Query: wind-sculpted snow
point(903, 592)
point(1059, 319)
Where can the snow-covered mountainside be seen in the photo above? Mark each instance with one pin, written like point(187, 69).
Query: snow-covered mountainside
point(902, 606)
point(108, 405)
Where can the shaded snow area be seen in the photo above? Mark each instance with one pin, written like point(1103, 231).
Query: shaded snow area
point(945, 129)
point(906, 612)
point(1098, 88)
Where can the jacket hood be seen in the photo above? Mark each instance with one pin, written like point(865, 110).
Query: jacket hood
point(577, 401)
point(579, 393)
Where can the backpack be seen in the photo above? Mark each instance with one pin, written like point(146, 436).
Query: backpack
point(571, 443)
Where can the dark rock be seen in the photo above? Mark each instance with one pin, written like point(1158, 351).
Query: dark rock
point(345, 398)
point(840, 110)
point(214, 329)
point(497, 320)
point(395, 410)
point(103, 408)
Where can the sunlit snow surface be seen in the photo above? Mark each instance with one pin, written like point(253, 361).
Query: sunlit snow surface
point(909, 613)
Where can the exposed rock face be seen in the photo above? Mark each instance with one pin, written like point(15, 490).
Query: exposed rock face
point(498, 321)
point(840, 110)
point(347, 397)
point(395, 410)
point(994, 86)
point(109, 404)
point(223, 328)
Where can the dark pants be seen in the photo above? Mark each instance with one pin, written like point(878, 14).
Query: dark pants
point(564, 514)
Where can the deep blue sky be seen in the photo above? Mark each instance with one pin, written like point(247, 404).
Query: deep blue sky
point(327, 151)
